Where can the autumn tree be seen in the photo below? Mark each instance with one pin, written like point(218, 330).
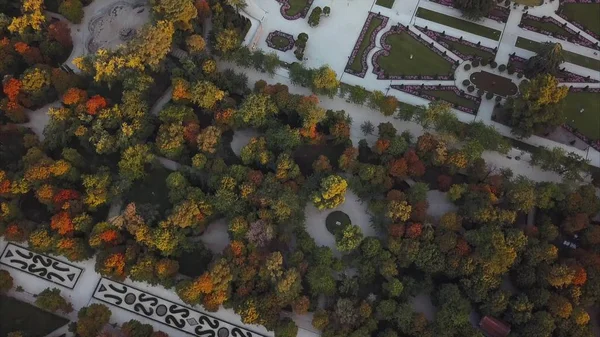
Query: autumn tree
point(6, 281)
point(325, 81)
point(135, 161)
point(91, 320)
point(135, 328)
point(539, 106)
point(331, 194)
point(195, 43)
point(255, 110)
point(227, 41)
point(153, 43)
point(180, 12)
point(348, 238)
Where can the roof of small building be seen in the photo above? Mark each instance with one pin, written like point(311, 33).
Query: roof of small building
point(493, 327)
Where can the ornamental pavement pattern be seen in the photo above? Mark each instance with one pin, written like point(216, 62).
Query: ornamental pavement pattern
point(42, 266)
point(169, 313)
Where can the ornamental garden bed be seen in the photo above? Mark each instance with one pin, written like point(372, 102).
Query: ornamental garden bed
point(499, 85)
point(448, 93)
point(30, 320)
point(464, 49)
point(406, 55)
point(518, 64)
point(583, 124)
point(357, 63)
point(552, 27)
point(570, 57)
point(459, 24)
point(385, 3)
point(336, 220)
point(280, 41)
point(584, 15)
point(294, 9)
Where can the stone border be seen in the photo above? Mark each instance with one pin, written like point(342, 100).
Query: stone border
point(166, 312)
point(41, 266)
point(577, 24)
point(285, 5)
point(277, 33)
point(370, 46)
point(562, 77)
point(416, 90)
point(575, 38)
point(438, 37)
point(386, 52)
point(503, 11)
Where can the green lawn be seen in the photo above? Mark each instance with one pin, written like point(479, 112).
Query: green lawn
point(32, 321)
point(586, 14)
point(385, 3)
point(356, 63)
point(424, 62)
point(280, 42)
point(570, 57)
point(453, 22)
point(296, 6)
point(468, 50)
point(587, 122)
point(547, 26)
point(451, 97)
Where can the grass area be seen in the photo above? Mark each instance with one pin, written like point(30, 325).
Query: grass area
point(452, 97)
point(570, 57)
point(457, 23)
point(489, 82)
point(588, 122)
point(32, 321)
point(424, 62)
point(335, 217)
point(296, 6)
point(356, 63)
point(280, 42)
point(153, 190)
point(547, 26)
point(468, 50)
point(530, 2)
point(586, 14)
point(385, 3)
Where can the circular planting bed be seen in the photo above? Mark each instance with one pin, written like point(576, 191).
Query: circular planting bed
point(336, 220)
point(280, 41)
point(493, 83)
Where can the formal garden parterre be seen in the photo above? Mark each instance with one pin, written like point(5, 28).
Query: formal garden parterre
point(459, 24)
point(448, 93)
point(357, 63)
point(280, 41)
point(583, 14)
point(498, 13)
point(550, 26)
point(493, 83)
point(518, 64)
point(406, 55)
point(570, 57)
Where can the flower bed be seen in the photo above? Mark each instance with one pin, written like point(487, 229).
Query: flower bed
point(418, 90)
point(577, 24)
point(439, 38)
point(518, 63)
point(386, 52)
point(280, 34)
point(574, 38)
point(370, 46)
point(285, 5)
point(498, 13)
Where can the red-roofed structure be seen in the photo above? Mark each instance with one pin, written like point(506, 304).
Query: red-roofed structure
point(494, 327)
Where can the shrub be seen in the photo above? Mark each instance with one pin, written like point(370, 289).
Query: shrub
point(484, 62)
point(480, 92)
point(511, 70)
point(6, 281)
point(475, 63)
point(466, 82)
point(502, 67)
point(489, 95)
point(467, 67)
point(72, 10)
point(493, 64)
point(498, 98)
point(51, 300)
point(520, 75)
point(471, 88)
point(315, 17)
point(326, 10)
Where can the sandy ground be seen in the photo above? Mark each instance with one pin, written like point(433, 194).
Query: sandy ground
point(439, 204)
point(215, 237)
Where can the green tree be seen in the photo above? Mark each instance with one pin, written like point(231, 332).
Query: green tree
point(72, 10)
point(539, 106)
point(256, 110)
point(348, 238)
point(475, 9)
point(134, 328)
point(547, 61)
point(6, 281)
point(51, 300)
point(135, 161)
point(206, 95)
